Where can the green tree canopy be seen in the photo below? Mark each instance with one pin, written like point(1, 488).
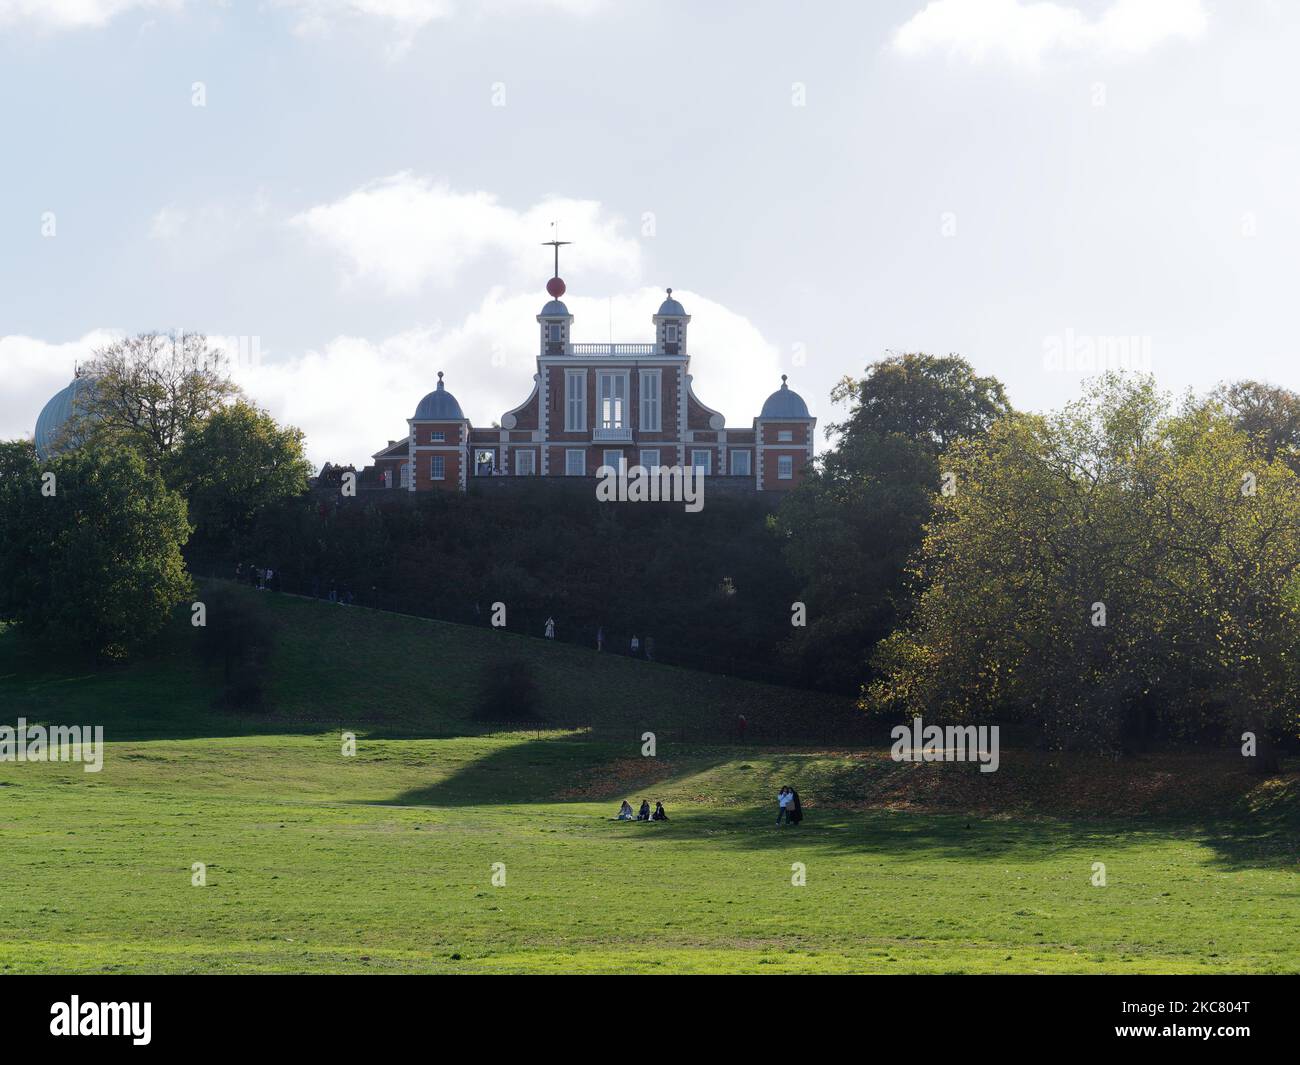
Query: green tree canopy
point(91, 547)
point(232, 466)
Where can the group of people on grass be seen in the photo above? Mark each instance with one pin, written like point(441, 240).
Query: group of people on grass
point(789, 810)
point(625, 812)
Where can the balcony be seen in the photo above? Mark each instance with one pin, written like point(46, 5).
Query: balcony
point(611, 349)
point(611, 436)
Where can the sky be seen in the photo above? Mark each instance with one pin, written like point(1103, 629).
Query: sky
point(353, 194)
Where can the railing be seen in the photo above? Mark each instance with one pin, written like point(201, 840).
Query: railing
point(621, 435)
point(611, 349)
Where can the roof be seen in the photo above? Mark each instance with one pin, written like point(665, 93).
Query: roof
point(55, 415)
point(438, 406)
point(784, 404)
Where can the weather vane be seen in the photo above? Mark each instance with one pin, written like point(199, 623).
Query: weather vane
point(555, 286)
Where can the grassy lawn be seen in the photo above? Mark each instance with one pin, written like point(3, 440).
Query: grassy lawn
point(382, 862)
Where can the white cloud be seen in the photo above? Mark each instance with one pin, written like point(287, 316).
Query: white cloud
point(409, 16)
point(72, 14)
point(1025, 33)
point(354, 395)
point(405, 231)
point(33, 371)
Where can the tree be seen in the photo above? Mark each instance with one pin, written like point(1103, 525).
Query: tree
point(232, 466)
point(1103, 570)
point(150, 390)
point(91, 547)
point(1268, 415)
point(931, 399)
point(850, 527)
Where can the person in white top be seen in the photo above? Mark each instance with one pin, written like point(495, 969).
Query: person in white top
point(784, 798)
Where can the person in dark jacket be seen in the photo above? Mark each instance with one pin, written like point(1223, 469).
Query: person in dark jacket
point(643, 814)
point(795, 812)
point(659, 814)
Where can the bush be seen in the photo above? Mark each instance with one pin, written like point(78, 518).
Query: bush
point(508, 692)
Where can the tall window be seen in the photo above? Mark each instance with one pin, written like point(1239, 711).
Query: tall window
point(613, 400)
point(553, 332)
point(438, 470)
point(575, 401)
point(701, 460)
point(670, 333)
point(650, 457)
point(740, 464)
point(650, 387)
point(575, 462)
point(612, 459)
point(785, 467)
point(406, 475)
point(525, 463)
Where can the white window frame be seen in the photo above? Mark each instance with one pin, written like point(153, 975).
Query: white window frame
point(437, 436)
point(651, 391)
point(785, 436)
point(747, 455)
point(404, 477)
point(670, 333)
point(526, 457)
point(785, 467)
point(649, 451)
point(611, 401)
point(568, 462)
point(707, 464)
point(554, 332)
point(617, 456)
point(491, 452)
point(438, 467)
point(575, 401)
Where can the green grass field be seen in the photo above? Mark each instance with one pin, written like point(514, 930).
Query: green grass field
point(382, 862)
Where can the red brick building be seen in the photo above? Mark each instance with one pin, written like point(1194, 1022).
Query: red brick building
point(593, 405)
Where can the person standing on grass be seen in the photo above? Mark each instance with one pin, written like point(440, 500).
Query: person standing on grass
point(794, 813)
point(550, 628)
point(636, 647)
point(649, 648)
point(600, 638)
point(783, 799)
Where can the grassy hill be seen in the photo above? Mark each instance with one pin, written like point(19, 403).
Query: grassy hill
point(383, 861)
point(360, 669)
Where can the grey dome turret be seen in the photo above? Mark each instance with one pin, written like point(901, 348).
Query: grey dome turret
point(555, 309)
point(439, 405)
point(784, 404)
point(55, 415)
point(671, 307)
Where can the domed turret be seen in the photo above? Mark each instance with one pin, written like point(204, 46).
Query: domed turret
point(53, 420)
point(784, 404)
point(670, 326)
point(438, 406)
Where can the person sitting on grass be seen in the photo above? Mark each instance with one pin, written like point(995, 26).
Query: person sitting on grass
point(643, 814)
point(659, 814)
point(625, 812)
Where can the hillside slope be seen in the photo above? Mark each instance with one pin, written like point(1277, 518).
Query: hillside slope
point(351, 667)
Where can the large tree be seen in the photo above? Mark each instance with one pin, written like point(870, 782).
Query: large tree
point(1110, 568)
point(90, 544)
point(232, 466)
point(150, 390)
point(1267, 414)
point(849, 529)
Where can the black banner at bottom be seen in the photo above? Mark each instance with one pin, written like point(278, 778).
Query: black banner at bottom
point(145, 1013)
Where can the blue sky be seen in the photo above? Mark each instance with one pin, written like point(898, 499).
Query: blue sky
point(362, 194)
